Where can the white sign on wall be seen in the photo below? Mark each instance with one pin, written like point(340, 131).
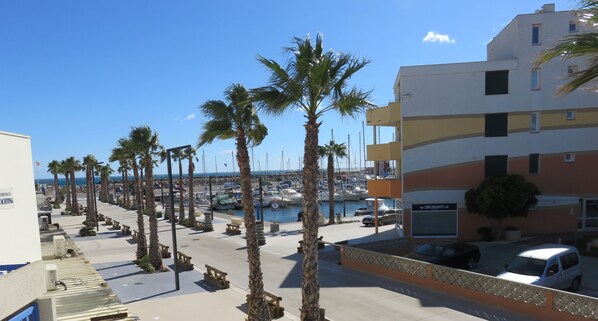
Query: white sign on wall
point(6, 198)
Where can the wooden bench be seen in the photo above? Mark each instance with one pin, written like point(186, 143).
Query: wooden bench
point(273, 301)
point(233, 229)
point(216, 277)
point(199, 226)
point(126, 230)
point(184, 261)
point(100, 217)
point(135, 236)
point(320, 244)
point(164, 251)
point(108, 221)
point(116, 225)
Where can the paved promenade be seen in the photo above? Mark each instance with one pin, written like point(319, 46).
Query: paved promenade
point(345, 294)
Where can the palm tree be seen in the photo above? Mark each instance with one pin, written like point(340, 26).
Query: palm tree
point(73, 165)
point(178, 155)
point(330, 151)
point(578, 45)
point(90, 163)
point(146, 145)
point(104, 172)
point(189, 153)
point(316, 82)
point(238, 119)
point(126, 152)
point(54, 168)
point(65, 171)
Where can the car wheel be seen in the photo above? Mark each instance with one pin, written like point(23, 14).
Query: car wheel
point(471, 263)
point(575, 284)
point(380, 222)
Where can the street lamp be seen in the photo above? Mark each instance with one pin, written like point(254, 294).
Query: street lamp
point(95, 201)
point(172, 221)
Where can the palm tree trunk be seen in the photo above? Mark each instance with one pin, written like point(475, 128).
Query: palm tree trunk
point(191, 195)
point(141, 241)
point(154, 251)
point(74, 193)
point(88, 195)
point(67, 191)
point(258, 307)
point(57, 198)
point(181, 205)
point(126, 195)
point(331, 189)
point(310, 288)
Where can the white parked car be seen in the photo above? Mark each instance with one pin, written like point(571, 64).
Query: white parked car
point(550, 265)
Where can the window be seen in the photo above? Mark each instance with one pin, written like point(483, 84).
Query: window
point(569, 260)
point(570, 114)
point(534, 163)
point(571, 70)
point(553, 268)
point(496, 125)
point(536, 79)
point(534, 125)
point(569, 158)
point(497, 82)
point(573, 26)
point(536, 33)
point(495, 165)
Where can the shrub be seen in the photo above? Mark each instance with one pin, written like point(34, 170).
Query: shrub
point(144, 263)
point(185, 221)
point(159, 214)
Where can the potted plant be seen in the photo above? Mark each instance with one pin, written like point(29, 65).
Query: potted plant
point(512, 233)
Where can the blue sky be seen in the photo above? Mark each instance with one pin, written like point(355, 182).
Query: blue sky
point(77, 75)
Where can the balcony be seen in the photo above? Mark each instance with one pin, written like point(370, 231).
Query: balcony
point(389, 151)
point(387, 188)
point(384, 116)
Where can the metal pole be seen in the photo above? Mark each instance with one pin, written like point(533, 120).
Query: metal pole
point(211, 207)
point(172, 220)
point(261, 200)
point(162, 191)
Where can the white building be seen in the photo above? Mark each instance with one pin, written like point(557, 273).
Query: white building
point(459, 123)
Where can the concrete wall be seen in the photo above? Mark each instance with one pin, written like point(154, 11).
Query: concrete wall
point(19, 231)
point(21, 287)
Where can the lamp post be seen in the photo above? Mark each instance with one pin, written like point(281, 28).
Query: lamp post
point(95, 201)
point(172, 220)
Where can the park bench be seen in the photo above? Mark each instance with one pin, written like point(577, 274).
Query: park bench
point(320, 244)
point(184, 261)
point(100, 217)
point(116, 225)
point(199, 226)
point(126, 230)
point(216, 277)
point(108, 221)
point(273, 301)
point(233, 229)
point(164, 251)
point(135, 236)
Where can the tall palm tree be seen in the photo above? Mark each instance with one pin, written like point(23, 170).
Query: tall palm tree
point(147, 146)
point(189, 153)
point(126, 152)
point(73, 165)
point(178, 156)
point(90, 163)
point(331, 151)
point(54, 168)
point(64, 169)
point(578, 45)
point(315, 81)
point(104, 171)
point(238, 119)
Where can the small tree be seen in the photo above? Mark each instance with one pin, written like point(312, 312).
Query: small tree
point(502, 196)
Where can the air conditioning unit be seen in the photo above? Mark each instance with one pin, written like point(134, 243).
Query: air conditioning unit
point(59, 246)
point(51, 276)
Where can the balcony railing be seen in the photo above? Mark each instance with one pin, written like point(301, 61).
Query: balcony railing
point(384, 116)
point(387, 188)
point(388, 151)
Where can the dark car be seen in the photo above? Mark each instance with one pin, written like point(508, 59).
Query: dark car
point(457, 255)
point(390, 216)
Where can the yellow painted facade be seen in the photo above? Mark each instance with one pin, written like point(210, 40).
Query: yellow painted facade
point(384, 116)
point(389, 151)
point(420, 131)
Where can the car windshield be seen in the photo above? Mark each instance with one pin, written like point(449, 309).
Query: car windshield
point(430, 250)
point(527, 266)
